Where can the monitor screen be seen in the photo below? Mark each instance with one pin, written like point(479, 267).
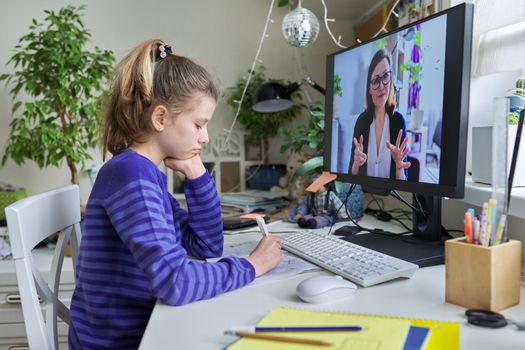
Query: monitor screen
point(397, 105)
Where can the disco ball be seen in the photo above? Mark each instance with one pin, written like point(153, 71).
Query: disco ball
point(300, 27)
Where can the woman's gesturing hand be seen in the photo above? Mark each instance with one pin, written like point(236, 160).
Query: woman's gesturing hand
point(399, 151)
point(359, 156)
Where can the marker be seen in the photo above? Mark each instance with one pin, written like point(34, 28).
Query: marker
point(476, 231)
point(494, 220)
point(262, 226)
point(485, 232)
point(483, 228)
point(468, 227)
point(472, 221)
point(487, 236)
point(499, 231)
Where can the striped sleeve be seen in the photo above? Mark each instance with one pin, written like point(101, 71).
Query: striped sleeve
point(201, 226)
point(139, 218)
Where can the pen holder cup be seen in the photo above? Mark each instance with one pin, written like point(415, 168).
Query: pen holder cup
point(480, 277)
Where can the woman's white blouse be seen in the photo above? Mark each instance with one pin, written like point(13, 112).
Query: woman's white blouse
point(378, 163)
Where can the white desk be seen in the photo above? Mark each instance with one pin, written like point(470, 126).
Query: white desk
point(200, 325)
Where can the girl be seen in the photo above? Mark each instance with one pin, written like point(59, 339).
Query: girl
point(378, 126)
point(136, 238)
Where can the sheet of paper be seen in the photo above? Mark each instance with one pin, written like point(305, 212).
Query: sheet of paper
point(242, 249)
point(290, 265)
point(270, 226)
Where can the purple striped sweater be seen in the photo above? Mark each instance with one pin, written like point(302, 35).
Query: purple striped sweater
point(135, 248)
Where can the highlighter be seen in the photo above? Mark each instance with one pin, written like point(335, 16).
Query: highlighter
point(501, 227)
point(468, 227)
point(483, 227)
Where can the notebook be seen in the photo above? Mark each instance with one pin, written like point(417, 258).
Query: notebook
point(443, 334)
point(378, 333)
point(417, 338)
point(381, 332)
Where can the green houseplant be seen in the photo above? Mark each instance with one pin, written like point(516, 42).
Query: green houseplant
point(308, 141)
point(519, 93)
point(60, 117)
point(261, 127)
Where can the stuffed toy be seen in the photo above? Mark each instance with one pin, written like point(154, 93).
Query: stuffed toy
point(317, 210)
point(295, 189)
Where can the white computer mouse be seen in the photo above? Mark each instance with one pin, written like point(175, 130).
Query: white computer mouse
point(323, 289)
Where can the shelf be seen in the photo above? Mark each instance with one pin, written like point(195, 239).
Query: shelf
point(477, 193)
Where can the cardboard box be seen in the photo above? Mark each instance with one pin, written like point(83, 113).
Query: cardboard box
point(480, 277)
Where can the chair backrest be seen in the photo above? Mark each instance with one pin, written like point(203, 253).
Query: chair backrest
point(29, 221)
point(436, 138)
point(414, 170)
point(343, 127)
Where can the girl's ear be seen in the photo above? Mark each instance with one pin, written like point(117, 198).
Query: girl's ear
point(159, 117)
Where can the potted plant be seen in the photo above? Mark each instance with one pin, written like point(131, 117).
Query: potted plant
point(262, 127)
point(308, 140)
point(60, 117)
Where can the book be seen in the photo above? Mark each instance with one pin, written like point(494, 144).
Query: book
point(254, 200)
point(253, 196)
point(250, 208)
point(381, 331)
point(417, 338)
point(443, 334)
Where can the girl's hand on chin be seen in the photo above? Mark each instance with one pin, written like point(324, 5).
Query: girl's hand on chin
point(191, 167)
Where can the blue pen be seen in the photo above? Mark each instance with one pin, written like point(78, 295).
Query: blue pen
point(252, 329)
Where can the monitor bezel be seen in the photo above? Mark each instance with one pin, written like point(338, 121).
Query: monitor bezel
point(454, 131)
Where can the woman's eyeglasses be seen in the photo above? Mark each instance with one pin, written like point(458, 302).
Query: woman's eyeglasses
point(376, 82)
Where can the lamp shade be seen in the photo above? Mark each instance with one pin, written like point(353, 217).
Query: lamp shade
point(273, 97)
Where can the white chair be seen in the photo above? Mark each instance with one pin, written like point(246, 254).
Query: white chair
point(29, 221)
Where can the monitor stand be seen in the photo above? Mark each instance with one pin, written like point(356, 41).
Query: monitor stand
point(425, 247)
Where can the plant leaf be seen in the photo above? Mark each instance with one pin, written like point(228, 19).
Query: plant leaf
point(308, 167)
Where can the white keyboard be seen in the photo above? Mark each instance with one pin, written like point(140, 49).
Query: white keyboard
point(358, 264)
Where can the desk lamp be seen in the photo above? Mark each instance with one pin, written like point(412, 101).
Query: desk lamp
point(275, 97)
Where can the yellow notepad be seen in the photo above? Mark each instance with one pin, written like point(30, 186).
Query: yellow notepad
point(378, 333)
point(381, 332)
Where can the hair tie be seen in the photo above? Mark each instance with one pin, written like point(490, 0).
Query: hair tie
point(163, 51)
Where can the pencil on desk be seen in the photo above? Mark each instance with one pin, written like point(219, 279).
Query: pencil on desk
point(280, 338)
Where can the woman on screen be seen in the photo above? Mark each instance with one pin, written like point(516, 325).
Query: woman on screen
point(379, 144)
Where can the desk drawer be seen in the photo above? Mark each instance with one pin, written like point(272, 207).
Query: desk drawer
point(13, 336)
point(11, 307)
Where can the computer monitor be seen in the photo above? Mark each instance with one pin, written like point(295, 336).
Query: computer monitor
point(397, 119)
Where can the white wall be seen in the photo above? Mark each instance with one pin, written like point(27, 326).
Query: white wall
point(221, 35)
point(483, 90)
